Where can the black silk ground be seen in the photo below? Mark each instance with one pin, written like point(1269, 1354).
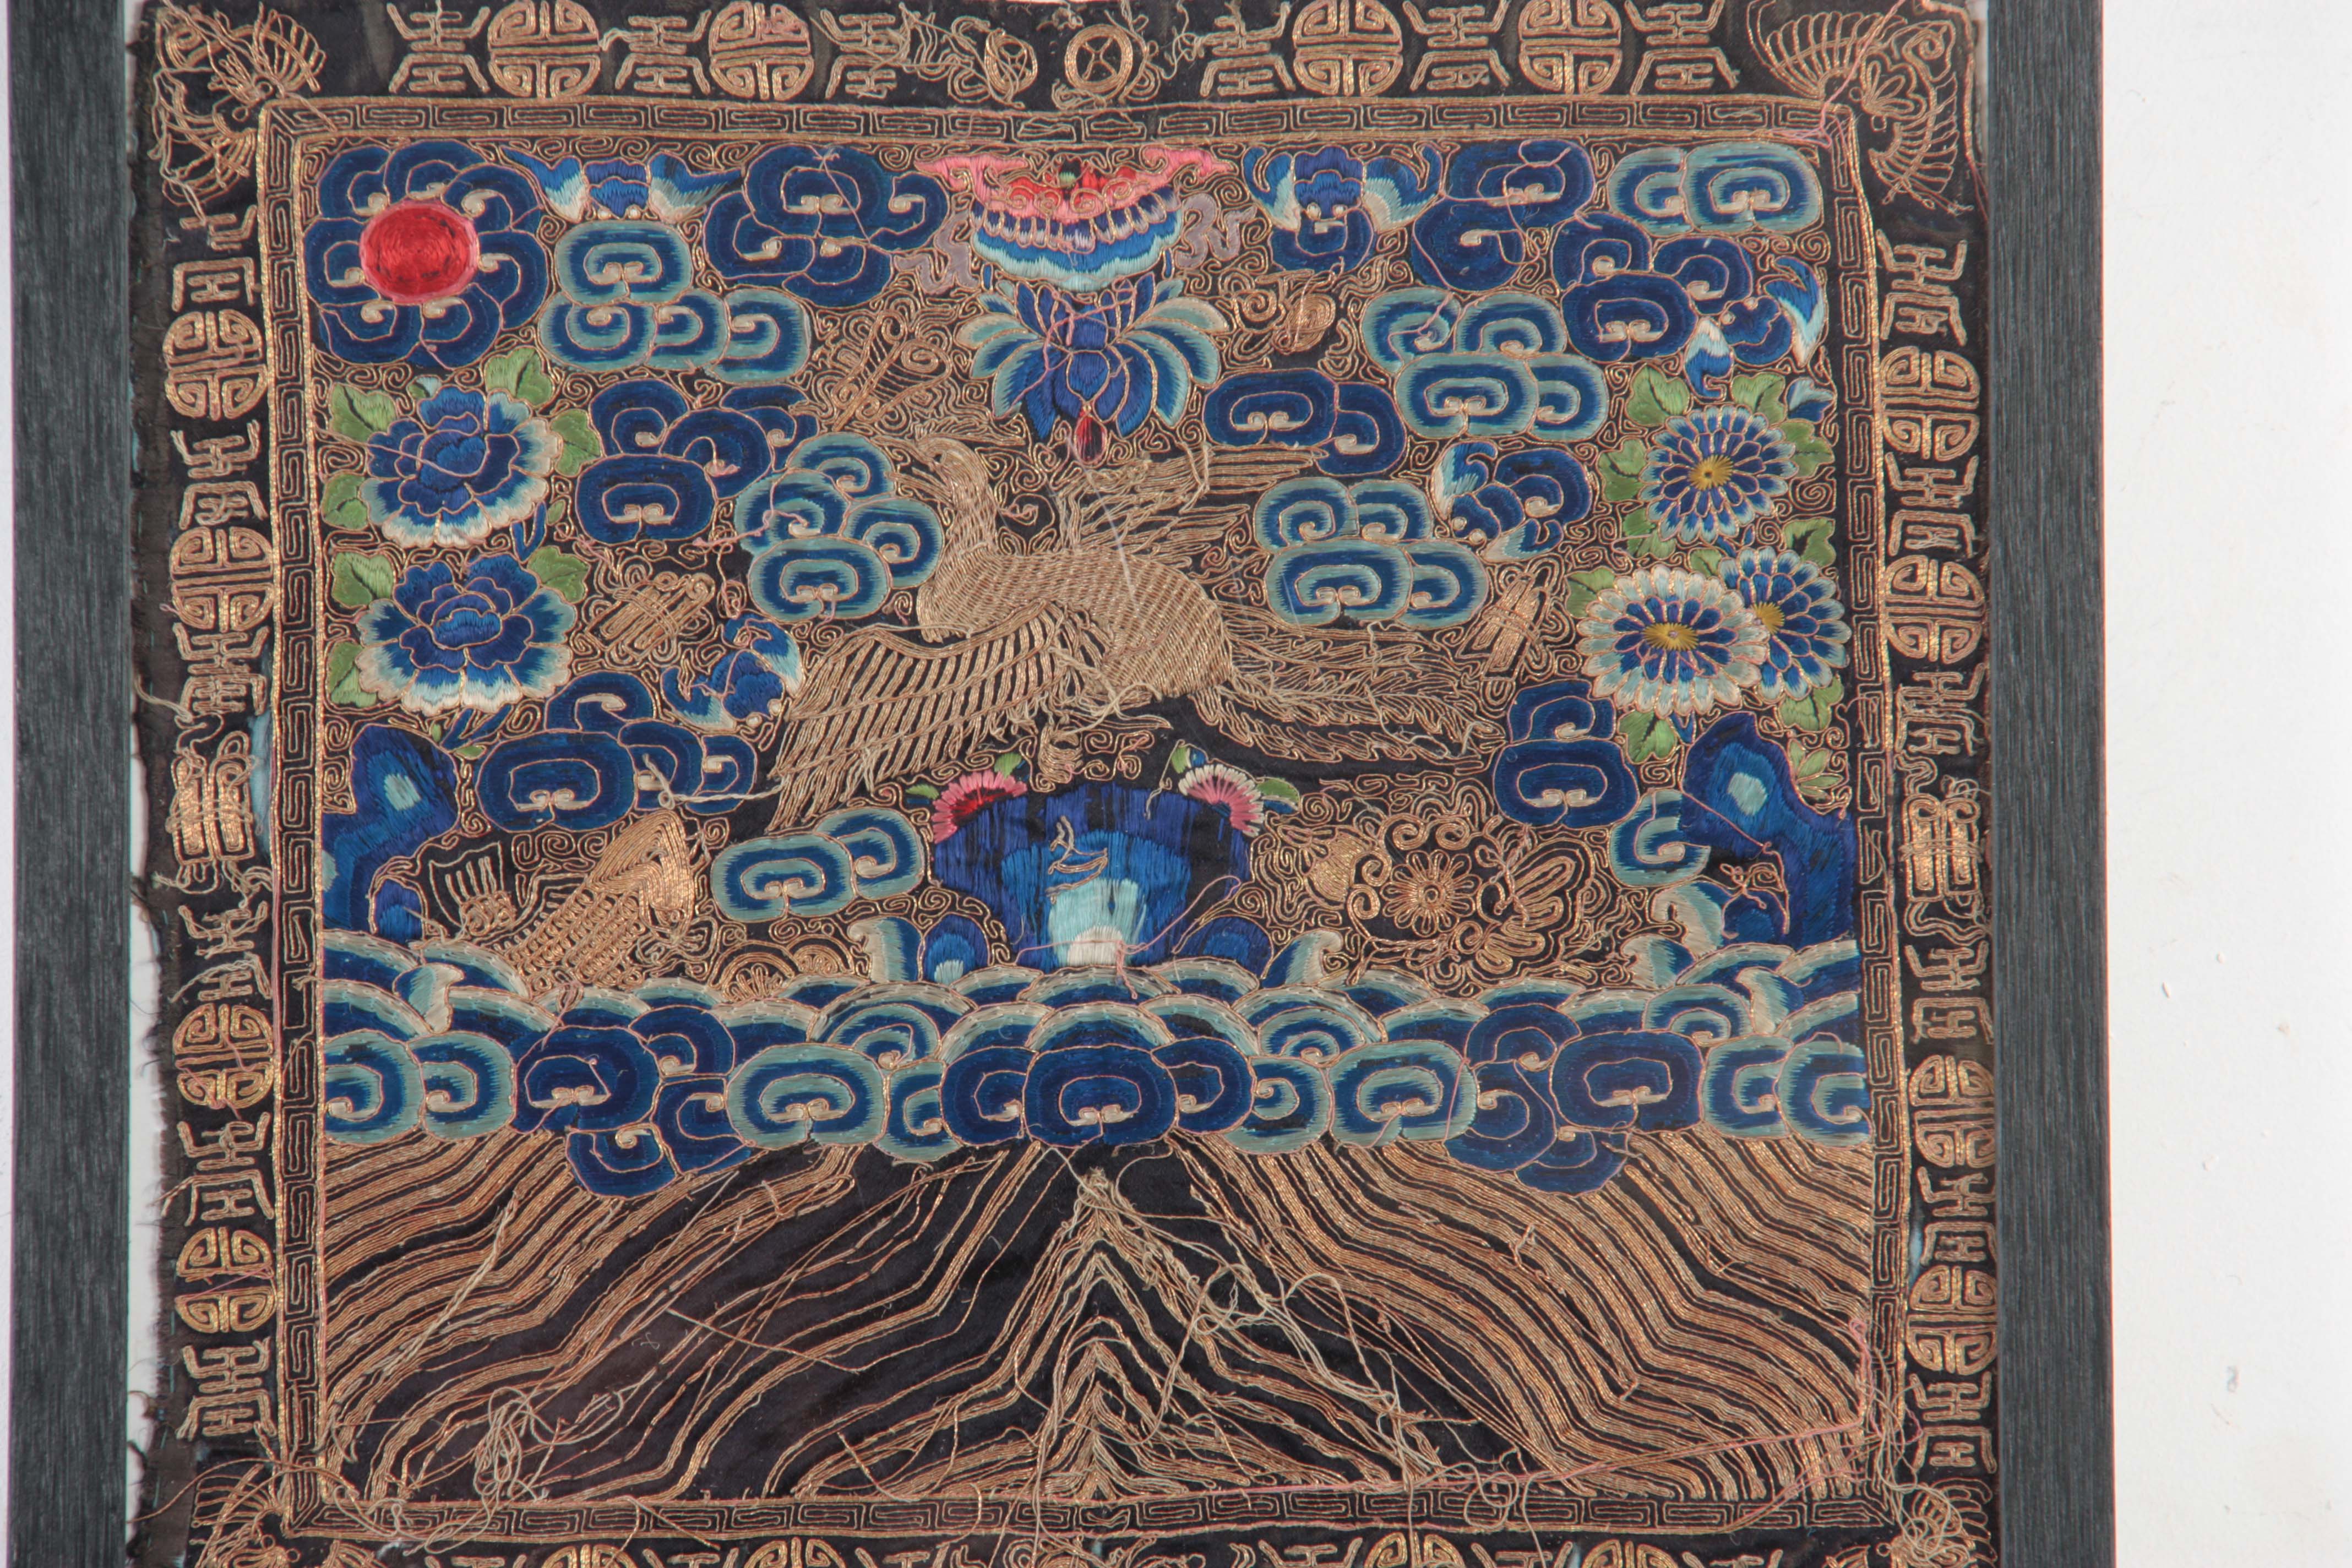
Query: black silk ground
point(1089, 784)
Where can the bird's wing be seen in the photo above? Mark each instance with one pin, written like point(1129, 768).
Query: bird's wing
point(883, 705)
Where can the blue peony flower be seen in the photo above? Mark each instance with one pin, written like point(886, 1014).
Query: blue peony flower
point(1714, 471)
point(439, 642)
point(1328, 205)
point(423, 254)
point(1804, 624)
point(1109, 358)
point(464, 468)
point(1671, 642)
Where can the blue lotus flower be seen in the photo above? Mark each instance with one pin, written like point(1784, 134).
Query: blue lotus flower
point(1670, 641)
point(1714, 471)
point(1109, 358)
point(424, 253)
point(1328, 205)
point(465, 467)
point(482, 642)
point(1804, 624)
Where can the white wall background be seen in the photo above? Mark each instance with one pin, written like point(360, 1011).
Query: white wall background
point(2229, 422)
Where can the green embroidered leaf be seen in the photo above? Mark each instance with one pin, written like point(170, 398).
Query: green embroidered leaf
point(561, 571)
point(1621, 470)
point(1811, 451)
point(1586, 587)
point(1814, 710)
point(1646, 735)
point(520, 373)
point(342, 677)
point(355, 415)
point(1815, 538)
point(342, 506)
point(1705, 563)
point(1810, 767)
point(471, 751)
point(1011, 763)
point(922, 792)
point(1763, 391)
point(1278, 789)
point(357, 581)
point(581, 445)
point(1640, 533)
point(499, 370)
point(1656, 398)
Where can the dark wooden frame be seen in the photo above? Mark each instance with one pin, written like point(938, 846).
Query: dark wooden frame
point(2049, 861)
point(69, 143)
point(73, 469)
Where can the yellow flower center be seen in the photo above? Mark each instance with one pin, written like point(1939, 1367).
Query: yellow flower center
point(1670, 635)
point(1771, 617)
point(1710, 471)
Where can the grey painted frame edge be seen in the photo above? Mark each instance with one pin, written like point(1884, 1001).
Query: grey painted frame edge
point(71, 225)
point(2049, 864)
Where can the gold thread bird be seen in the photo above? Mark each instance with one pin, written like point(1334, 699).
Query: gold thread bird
point(1105, 621)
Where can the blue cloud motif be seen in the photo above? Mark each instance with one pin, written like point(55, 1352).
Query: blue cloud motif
point(1492, 368)
point(1720, 186)
point(1328, 205)
point(1560, 768)
point(824, 223)
point(1474, 239)
point(1824, 1093)
point(626, 298)
point(370, 1092)
point(1368, 434)
point(1272, 407)
point(669, 464)
point(857, 852)
point(806, 1093)
point(1399, 1089)
point(1336, 580)
point(1626, 297)
point(1645, 1080)
point(1510, 507)
point(829, 540)
point(1390, 511)
point(601, 755)
point(1536, 1079)
point(365, 316)
point(1302, 511)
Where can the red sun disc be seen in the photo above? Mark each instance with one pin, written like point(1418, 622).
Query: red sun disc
point(413, 252)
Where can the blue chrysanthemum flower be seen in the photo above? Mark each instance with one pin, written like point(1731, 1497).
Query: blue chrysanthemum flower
point(1714, 471)
point(464, 468)
point(1804, 624)
point(1670, 641)
point(440, 642)
point(424, 253)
